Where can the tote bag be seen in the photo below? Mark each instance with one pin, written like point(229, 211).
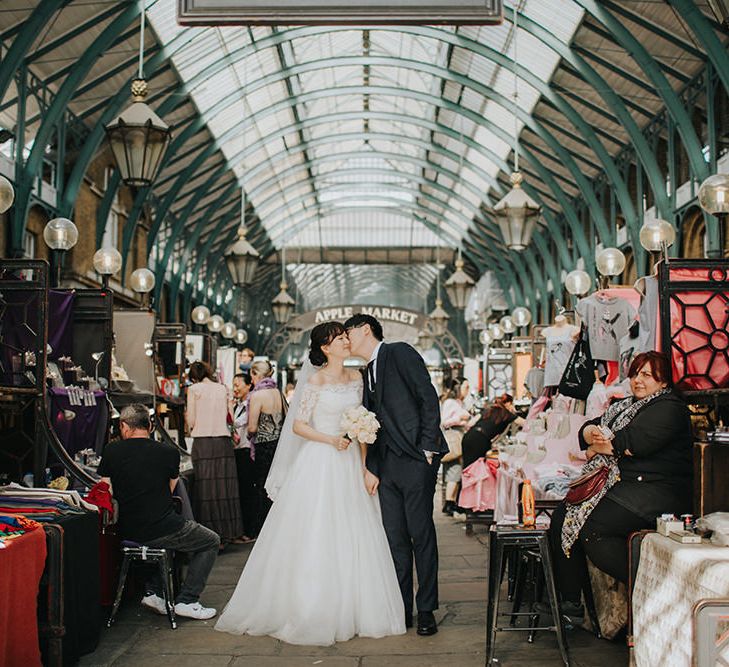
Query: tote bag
point(579, 374)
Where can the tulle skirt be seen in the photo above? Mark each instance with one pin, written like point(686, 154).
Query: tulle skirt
point(321, 570)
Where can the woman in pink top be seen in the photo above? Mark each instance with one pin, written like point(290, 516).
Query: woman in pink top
point(216, 501)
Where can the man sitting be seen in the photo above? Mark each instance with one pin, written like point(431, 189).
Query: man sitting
point(142, 474)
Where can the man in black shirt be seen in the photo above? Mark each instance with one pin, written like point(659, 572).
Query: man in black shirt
point(142, 474)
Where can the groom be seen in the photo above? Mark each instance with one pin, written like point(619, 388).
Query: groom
point(403, 462)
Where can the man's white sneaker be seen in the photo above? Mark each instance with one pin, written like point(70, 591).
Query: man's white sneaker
point(194, 610)
point(155, 603)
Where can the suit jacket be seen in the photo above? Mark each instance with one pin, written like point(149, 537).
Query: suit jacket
point(406, 406)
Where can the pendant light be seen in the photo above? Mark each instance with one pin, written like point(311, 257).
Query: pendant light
point(460, 285)
point(438, 317)
point(283, 305)
point(517, 213)
point(138, 137)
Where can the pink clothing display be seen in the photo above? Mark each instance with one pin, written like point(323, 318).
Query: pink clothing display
point(478, 485)
point(207, 409)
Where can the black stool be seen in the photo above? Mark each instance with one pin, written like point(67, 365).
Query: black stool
point(133, 551)
point(519, 538)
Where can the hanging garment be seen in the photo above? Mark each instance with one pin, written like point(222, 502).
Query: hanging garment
point(607, 319)
point(559, 345)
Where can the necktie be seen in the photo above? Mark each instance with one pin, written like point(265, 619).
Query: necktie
point(371, 374)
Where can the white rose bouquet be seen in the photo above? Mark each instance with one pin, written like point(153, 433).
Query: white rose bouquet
point(360, 424)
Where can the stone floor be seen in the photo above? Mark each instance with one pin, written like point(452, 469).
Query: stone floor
point(141, 638)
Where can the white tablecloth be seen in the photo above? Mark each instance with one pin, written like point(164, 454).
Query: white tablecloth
point(672, 577)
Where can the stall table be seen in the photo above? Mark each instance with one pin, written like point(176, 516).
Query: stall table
point(21, 566)
point(671, 578)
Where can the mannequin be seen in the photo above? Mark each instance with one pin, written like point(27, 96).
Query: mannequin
point(560, 340)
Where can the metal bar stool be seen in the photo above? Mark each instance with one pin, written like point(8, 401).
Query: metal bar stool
point(519, 537)
point(133, 551)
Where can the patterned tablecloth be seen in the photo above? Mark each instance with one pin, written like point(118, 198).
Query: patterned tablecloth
point(672, 577)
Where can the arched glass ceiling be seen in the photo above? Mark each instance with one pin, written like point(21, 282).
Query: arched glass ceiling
point(354, 167)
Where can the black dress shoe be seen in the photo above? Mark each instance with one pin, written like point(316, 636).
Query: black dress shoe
point(408, 620)
point(426, 623)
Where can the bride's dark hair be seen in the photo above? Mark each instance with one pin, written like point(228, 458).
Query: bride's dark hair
point(323, 334)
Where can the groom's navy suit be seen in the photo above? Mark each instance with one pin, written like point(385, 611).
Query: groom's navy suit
point(407, 407)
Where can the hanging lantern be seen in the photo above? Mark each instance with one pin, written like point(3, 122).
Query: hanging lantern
point(517, 214)
point(610, 262)
point(521, 316)
point(107, 262)
point(657, 235)
point(507, 324)
point(241, 336)
point(200, 315)
point(459, 286)
point(439, 319)
point(215, 324)
point(283, 305)
point(485, 338)
point(426, 339)
point(138, 139)
point(142, 281)
point(242, 260)
point(7, 194)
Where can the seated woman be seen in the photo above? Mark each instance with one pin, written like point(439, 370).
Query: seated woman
point(645, 441)
point(492, 423)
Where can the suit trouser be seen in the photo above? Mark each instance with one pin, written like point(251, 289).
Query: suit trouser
point(406, 491)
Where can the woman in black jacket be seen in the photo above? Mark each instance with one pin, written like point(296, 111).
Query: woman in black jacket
point(493, 422)
point(645, 442)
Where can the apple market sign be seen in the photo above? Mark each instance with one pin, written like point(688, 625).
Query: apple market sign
point(411, 318)
point(339, 12)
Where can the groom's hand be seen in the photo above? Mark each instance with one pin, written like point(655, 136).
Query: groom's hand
point(371, 482)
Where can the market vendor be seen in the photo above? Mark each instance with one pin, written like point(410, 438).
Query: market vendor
point(644, 442)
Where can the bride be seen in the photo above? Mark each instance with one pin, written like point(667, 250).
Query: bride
point(321, 570)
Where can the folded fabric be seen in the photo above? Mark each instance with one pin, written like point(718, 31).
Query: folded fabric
point(100, 495)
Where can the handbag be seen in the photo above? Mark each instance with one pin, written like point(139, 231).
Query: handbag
point(579, 374)
point(453, 437)
point(587, 486)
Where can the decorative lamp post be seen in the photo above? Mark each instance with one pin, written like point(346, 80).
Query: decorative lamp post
point(578, 282)
point(138, 138)
point(228, 330)
point(460, 285)
point(107, 262)
point(7, 194)
point(496, 332)
point(283, 304)
point(714, 191)
point(656, 236)
point(517, 213)
point(485, 338)
point(215, 324)
point(200, 315)
point(242, 260)
point(610, 262)
point(507, 324)
point(438, 318)
point(521, 316)
point(60, 235)
point(142, 282)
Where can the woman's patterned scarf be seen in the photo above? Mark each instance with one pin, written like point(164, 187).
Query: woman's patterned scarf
point(616, 418)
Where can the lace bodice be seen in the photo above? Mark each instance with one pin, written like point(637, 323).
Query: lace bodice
point(322, 405)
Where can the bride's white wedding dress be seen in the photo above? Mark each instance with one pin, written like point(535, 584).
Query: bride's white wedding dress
point(321, 570)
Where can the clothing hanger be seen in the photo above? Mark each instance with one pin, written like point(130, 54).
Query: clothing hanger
point(639, 285)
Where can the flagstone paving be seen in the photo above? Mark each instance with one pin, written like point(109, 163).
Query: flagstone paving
point(140, 638)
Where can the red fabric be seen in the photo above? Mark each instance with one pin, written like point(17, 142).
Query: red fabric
point(21, 567)
point(99, 495)
point(613, 372)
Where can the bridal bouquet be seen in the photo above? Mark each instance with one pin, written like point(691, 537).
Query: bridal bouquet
point(360, 424)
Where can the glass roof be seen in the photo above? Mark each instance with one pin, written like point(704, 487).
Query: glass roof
point(353, 136)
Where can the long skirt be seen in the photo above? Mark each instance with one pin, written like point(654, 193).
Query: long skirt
point(216, 502)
